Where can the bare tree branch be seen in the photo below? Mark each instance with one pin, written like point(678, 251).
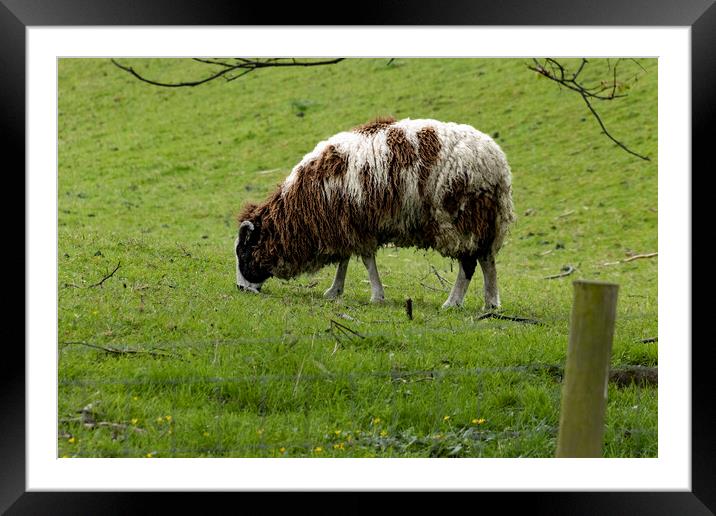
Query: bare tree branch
point(106, 277)
point(555, 71)
point(238, 64)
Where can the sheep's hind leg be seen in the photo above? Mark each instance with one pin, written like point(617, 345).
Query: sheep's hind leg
point(376, 287)
point(337, 288)
point(464, 275)
point(489, 273)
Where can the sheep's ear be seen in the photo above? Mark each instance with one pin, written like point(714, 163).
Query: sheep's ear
point(245, 230)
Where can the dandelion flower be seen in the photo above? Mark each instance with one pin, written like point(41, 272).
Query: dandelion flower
point(71, 440)
point(479, 421)
point(135, 420)
point(150, 455)
point(383, 433)
point(376, 420)
point(168, 418)
point(318, 449)
point(337, 432)
point(445, 418)
point(282, 449)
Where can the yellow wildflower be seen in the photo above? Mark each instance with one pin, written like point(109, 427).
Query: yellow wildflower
point(383, 433)
point(376, 420)
point(150, 455)
point(318, 449)
point(168, 418)
point(445, 418)
point(479, 421)
point(282, 449)
point(71, 440)
point(135, 420)
point(205, 434)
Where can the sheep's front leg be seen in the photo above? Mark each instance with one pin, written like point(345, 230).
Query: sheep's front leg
point(338, 282)
point(464, 276)
point(376, 287)
point(489, 273)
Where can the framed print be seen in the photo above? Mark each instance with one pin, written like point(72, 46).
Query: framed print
point(197, 315)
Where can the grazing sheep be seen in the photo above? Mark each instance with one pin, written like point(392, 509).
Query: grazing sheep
point(421, 183)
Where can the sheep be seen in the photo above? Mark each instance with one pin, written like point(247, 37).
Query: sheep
point(413, 183)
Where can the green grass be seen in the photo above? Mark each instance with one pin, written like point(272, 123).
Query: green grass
point(152, 178)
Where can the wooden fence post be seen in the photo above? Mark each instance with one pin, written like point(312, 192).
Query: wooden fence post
point(586, 373)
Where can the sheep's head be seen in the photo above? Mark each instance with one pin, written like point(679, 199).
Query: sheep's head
point(250, 272)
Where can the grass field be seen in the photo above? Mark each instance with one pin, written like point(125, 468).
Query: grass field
point(151, 179)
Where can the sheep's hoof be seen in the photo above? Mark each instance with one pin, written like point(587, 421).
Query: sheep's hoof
point(451, 304)
point(490, 307)
point(377, 300)
point(332, 293)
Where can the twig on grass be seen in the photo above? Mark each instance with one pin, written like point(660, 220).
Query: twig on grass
point(566, 271)
point(565, 214)
point(344, 329)
point(495, 315)
point(127, 351)
point(409, 308)
point(632, 258)
point(99, 283)
point(648, 340)
point(433, 288)
point(443, 282)
point(639, 256)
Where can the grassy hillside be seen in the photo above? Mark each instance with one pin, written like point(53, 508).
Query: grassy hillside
point(151, 179)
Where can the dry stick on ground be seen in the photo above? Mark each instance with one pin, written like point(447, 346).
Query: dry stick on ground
point(409, 308)
point(117, 351)
point(566, 271)
point(495, 315)
point(443, 282)
point(639, 256)
point(649, 340)
point(99, 283)
point(344, 329)
point(230, 71)
point(632, 258)
point(556, 72)
point(433, 288)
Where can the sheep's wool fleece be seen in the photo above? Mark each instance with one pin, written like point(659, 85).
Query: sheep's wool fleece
point(422, 183)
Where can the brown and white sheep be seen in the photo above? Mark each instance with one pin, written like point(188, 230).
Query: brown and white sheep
point(421, 183)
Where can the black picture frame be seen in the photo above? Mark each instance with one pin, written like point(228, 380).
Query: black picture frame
point(700, 15)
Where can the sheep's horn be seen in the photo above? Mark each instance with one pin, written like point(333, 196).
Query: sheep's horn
point(246, 223)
